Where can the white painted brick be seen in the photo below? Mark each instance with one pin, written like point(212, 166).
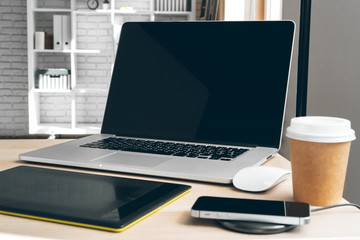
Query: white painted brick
point(58, 113)
point(5, 65)
point(15, 85)
point(19, 105)
point(21, 24)
point(21, 132)
point(97, 59)
point(13, 99)
point(54, 58)
point(18, 9)
point(85, 65)
point(13, 2)
point(5, 106)
point(5, 37)
point(15, 125)
point(9, 30)
point(102, 19)
point(20, 38)
point(106, 66)
point(46, 119)
point(12, 72)
point(21, 119)
point(56, 99)
point(16, 52)
point(11, 58)
point(14, 113)
point(86, 106)
point(6, 23)
point(100, 85)
point(6, 119)
point(5, 91)
point(19, 65)
point(63, 119)
point(86, 39)
point(20, 92)
point(98, 32)
point(96, 72)
point(11, 16)
point(86, 25)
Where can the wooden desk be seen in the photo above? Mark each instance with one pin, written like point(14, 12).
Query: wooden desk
point(174, 221)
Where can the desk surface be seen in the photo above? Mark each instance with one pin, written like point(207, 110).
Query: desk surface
point(174, 221)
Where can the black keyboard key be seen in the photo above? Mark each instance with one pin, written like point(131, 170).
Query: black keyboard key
point(167, 148)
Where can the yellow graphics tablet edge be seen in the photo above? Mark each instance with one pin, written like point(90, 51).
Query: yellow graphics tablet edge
point(22, 187)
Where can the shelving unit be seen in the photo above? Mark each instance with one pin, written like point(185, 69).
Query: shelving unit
point(56, 111)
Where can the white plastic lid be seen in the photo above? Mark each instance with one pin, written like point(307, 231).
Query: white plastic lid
point(321, 129)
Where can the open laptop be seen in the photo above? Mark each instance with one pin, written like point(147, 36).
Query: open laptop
point(189, 100)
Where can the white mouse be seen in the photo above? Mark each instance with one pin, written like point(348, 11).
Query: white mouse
point(260, 178)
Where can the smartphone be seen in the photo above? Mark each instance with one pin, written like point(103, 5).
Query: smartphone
point(280, 212)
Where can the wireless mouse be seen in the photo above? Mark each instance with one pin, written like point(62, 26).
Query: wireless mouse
point(259, 178)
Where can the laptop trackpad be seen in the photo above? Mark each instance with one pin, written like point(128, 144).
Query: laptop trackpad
point(130, 159)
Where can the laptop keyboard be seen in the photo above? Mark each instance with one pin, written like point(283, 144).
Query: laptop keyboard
point(167, 148)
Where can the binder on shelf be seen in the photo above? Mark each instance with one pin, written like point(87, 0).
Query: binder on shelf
point(57, 24)
point(62, 32)
point(202, 10)
point(53, 79)
point(177, 5)
point(66, 32)
point(157, 5)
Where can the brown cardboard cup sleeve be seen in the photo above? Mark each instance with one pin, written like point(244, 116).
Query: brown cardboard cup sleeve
point(319, 152)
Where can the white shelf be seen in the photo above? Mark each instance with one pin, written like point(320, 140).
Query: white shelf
point(36, 90)
point(90, 51)
point(90, 90)
point(133, 12)
point(78, 11)
point(89, 12)
point(53, 10)
point(110, 11)
point(76, 90)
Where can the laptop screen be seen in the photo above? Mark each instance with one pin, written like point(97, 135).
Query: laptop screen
point(210, 82)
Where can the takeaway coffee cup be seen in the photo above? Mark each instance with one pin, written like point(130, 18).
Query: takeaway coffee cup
point(319, 152)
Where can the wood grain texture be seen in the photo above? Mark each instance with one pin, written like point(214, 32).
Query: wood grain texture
point(174, 221)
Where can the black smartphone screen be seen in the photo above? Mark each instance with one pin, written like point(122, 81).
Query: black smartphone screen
point(251, 206)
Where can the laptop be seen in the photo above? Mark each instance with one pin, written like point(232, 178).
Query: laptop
point(189, 100)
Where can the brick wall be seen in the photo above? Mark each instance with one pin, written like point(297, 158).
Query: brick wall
point(13, 68)
point(93, 71)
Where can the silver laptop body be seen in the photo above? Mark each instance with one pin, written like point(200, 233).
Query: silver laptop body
point(206, 85)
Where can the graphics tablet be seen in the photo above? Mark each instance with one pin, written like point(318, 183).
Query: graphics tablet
point(88, 200)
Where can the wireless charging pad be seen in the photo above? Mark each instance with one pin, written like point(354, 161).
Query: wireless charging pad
point(255, 227)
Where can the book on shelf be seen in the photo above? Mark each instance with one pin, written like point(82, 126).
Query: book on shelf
point(202, 10)
point(53, 79)
point(171, 5)
point(210, 9)
point(273, 9)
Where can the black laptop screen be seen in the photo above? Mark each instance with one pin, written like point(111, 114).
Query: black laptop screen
point(217, 82)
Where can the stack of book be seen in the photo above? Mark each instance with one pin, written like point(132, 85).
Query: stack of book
point(53, 79)
point(171, 5)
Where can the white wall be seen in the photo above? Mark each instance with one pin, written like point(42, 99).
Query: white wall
point(334, 72)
